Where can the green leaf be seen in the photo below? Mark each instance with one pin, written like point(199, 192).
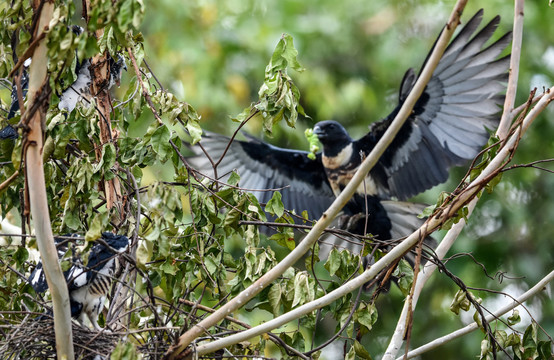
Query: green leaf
point(360, 351)
point(160, 142)
point(210, 264)
point(303, 291)
point(485, 349)
point(366, 314)
point(351, 355)
point(333, 261)
point(285, 55)
point(111, 41)
point(234, 215)
point(513, 340)
point(274, 298)
point(194, 130)
point(169, 267)
point(493, 182)
point(428, 211)
point(109, 156)
point(21, 255)
point(144, 252)
point(275, 205)
point(530, 336)
point(139, 53)
point(501, 337)
point(544, 350)
point(71, 219)
point(313, 140)
point(514, 318)
point(284, 238)
point(234, 178)
point(460, 301)
point(477, 319)
point(65, 265)
point(97, 227)
point(125, 14)
point(405, 276)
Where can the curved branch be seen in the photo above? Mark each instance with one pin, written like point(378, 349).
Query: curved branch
point(428, 270)
point(100, 75)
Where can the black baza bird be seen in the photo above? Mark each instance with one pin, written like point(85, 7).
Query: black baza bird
point(447, 127)
point(88, 285)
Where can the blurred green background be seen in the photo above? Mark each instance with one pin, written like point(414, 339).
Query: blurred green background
point(212, 54)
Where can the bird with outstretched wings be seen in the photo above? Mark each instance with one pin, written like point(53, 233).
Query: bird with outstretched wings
point(447, 127)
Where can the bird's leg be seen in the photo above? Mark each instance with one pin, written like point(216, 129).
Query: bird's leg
point(93, 317)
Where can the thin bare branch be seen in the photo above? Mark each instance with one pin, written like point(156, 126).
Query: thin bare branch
point(504, 126)
point(9, 180)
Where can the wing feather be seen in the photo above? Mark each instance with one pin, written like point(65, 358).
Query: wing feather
point(449, 122)
point(262, 166)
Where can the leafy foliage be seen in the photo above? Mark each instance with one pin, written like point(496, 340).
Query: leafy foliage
point(192, 248)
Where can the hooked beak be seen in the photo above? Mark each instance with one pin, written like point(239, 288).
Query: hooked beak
point(319, 132)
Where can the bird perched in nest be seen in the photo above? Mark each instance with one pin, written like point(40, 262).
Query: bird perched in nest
point(88, 285)
point(447, 127)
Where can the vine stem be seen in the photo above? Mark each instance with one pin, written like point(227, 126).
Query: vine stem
point(197, 330)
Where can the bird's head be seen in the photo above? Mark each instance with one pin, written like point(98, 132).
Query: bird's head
point(332, 135)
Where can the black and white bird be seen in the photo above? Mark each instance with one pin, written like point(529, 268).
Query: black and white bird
point(80, 89)
point(70, 97)
point(447, 127)
point(88, 285)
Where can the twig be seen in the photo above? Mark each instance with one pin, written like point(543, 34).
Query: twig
point(214, 179)
point(346, 323)
point(130, 97)
point(9, 180)
point(153, 75)
point(273, 337)
point(28, 52)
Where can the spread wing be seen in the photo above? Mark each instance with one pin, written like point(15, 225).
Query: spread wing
point(449, 122)
point(262, 166)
